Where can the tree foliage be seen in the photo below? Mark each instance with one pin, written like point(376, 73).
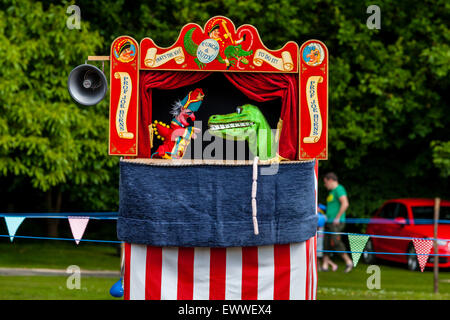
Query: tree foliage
point(388, 91)
point(46, 140)
point(441, 156)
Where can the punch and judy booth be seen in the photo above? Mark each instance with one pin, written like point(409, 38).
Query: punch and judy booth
point(219, 138)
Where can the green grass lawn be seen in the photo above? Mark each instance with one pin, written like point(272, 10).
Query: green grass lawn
point(397, 283)
point(56, 255)
point(59, 255)
point(54, 288)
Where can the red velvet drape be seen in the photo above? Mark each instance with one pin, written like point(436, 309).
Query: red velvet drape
point(269, 86)
point(257, 86)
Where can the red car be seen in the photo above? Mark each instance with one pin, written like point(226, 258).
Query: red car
point(407, 218)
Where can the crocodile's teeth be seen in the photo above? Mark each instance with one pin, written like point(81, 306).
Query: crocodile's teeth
point(230, 125)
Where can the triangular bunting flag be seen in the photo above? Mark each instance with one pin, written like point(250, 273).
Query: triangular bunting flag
point(13, 223)
point(423, 247)
point(78, 225)
point(357, 244)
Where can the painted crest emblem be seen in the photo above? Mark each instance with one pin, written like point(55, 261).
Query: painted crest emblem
point(125, 51)
point(313, 54)
point(208, 50)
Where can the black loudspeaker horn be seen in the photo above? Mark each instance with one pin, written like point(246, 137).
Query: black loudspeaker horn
point(87, 84)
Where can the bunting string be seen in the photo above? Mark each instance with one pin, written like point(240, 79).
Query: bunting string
point(328, 251)
point(79, 221)
point(63, 239)
point(114, 216)
point(358, 242)
point(382, 236)
point(389, 253)
point(60, 215)
point(387, 221)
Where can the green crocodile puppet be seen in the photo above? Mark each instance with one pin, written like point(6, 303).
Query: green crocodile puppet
point(247, 123)
point(231, 52)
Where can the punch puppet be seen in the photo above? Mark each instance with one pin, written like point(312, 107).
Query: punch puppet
point(177, 136)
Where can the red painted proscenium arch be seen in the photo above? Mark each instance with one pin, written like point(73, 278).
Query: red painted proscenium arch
point(298, 76)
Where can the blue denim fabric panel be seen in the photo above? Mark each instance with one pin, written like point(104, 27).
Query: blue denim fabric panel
point(210, 205)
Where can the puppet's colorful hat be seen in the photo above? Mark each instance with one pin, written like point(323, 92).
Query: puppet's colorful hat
point(191, 101)
point(214, 27)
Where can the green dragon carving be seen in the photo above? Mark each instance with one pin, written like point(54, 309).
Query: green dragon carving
point(231, 52)
point(247, 123)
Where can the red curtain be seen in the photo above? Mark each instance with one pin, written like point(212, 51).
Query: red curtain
point(269, 86)
point(166, 80)
point(257, 86)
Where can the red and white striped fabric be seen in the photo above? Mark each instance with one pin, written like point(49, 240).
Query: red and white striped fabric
point(276, 272)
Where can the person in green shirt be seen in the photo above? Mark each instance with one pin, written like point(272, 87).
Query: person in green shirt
point(337, 204)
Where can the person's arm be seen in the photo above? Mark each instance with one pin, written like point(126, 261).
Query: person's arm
point(344, 205)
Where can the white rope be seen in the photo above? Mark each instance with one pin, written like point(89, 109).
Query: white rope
point(254, 189)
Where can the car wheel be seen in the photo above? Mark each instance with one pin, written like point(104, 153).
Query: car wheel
point(369, 258)
point(413, 263)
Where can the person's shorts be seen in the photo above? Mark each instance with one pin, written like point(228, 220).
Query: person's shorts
point(334, 241)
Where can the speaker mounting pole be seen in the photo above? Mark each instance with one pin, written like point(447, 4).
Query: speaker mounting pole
point(99, 58)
